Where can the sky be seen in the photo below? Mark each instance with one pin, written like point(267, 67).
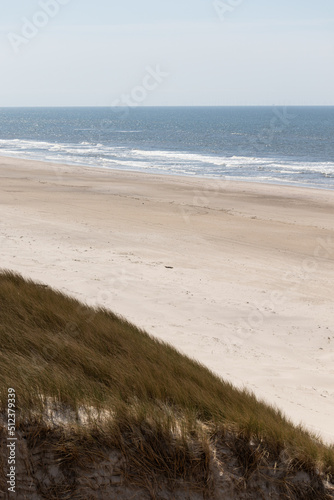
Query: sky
point(167, 52)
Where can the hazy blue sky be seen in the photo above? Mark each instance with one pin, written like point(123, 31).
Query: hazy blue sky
point(216, 52)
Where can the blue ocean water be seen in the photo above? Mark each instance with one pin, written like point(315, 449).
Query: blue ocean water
point(293, 145)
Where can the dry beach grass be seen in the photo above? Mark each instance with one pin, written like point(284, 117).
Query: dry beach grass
point(114, 412)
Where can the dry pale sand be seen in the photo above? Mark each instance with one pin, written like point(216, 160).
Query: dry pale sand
point(237, 275)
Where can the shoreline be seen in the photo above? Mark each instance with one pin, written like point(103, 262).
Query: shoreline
point(237, 275)
point(200, 177)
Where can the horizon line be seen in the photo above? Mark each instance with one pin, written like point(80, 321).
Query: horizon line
point(180, 106)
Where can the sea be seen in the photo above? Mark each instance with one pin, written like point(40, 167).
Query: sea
point(281, 145)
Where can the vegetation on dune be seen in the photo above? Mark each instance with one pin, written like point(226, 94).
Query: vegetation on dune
point(163, 411)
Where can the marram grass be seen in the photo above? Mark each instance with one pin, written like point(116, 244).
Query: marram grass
point(57, 352)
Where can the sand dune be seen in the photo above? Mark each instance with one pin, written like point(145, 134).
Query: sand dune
point(238, 275)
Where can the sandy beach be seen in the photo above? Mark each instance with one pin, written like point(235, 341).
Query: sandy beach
point(237, 275)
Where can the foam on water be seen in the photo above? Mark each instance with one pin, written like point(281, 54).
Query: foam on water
point(182, 163)
point(209, 143)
